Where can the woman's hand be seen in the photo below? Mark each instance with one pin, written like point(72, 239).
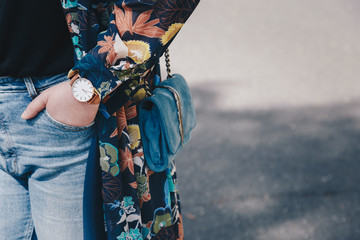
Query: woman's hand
point(62, 106)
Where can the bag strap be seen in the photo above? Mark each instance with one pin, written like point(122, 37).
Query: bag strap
point(167, 62)
point(168, 70)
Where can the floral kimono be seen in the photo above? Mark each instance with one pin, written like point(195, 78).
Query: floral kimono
point(117, 47)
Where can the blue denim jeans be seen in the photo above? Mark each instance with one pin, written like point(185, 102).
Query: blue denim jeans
point(42, 167)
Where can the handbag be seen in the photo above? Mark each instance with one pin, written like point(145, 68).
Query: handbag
point(166, 118)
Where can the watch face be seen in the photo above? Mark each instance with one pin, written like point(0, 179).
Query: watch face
point(82, 89)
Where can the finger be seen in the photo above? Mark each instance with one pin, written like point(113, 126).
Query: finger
point(35, 106)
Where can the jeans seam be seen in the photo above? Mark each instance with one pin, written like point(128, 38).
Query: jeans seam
point(31, 88)
point(30, 230)
point(27, 87)
point(10, 148)
point(13, 91)
point(66, 127)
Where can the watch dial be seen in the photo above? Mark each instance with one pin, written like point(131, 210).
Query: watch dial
point(82, 90)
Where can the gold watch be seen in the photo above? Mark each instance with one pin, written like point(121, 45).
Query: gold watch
point(83, 90)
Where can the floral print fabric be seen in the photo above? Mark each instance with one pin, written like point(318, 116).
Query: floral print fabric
point(117, 47)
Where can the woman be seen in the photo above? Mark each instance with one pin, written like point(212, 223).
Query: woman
point(43, 159)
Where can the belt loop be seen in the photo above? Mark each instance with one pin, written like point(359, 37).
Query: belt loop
point(31, 87)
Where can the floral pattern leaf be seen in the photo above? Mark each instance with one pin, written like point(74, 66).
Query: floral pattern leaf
point(174, 11)
point(125, 23)
point(126, 160)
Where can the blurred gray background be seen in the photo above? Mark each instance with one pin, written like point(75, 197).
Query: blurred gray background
point(275, 155)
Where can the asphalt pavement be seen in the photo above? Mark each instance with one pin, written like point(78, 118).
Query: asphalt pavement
point(276, 151)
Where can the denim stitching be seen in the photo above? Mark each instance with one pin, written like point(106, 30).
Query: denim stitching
point(10, 148)
point(28, 87)
point(13, 91)
point(31, 88)
point(30, 230)
point(65, 126)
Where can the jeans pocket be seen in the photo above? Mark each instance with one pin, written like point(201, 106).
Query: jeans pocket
point(64, 126)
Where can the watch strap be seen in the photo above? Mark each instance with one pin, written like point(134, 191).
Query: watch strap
point(95, 99)
point(74, 78)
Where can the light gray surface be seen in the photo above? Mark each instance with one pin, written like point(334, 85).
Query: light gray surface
point(275, 155)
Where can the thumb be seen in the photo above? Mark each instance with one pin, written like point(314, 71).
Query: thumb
point(35, 106)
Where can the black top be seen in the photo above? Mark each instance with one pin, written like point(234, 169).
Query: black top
point(34, 39)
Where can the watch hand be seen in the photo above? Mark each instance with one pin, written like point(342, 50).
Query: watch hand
point(86, 91)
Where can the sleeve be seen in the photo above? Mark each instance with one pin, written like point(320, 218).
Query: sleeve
point(138, 33)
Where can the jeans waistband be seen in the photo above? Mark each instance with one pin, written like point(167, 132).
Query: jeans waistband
point(11, 84)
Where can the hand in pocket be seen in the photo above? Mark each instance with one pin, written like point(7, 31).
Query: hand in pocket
point(62, 106)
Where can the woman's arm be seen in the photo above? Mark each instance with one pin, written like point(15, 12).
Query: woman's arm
point(139, 31)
